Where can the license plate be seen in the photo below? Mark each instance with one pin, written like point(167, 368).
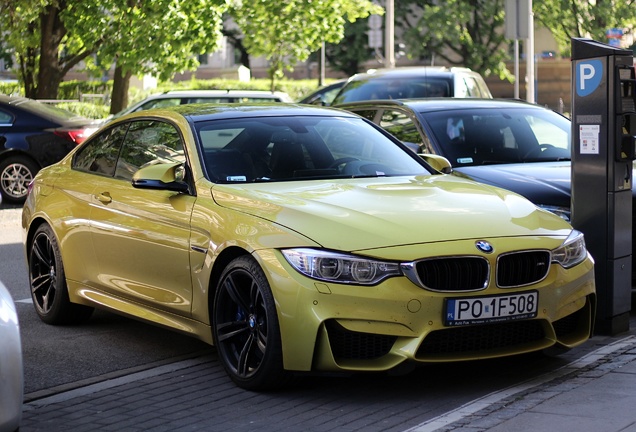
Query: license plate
point(489, 309)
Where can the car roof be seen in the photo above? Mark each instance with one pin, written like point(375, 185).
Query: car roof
point(203, 112)
point(411, 71)
point(442, 104)
point(32, 108)
point(219, 93)
point(13, 100)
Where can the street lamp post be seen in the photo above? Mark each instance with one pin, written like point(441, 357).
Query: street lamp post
point(389, 30)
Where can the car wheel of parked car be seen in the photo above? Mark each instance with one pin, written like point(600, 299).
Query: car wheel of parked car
point(246, 330)
point(48, 282)
point(16, 172)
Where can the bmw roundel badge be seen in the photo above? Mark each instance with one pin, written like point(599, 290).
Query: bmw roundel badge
point(484, 246)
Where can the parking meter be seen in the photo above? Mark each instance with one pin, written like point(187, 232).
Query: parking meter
point(603, 148)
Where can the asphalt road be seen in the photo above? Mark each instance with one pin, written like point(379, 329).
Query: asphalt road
point(62, 357)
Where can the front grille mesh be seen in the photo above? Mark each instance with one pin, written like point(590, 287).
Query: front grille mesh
point(461, 340)
point(350, 345)
point(453, 273)
point(522, 268)
point(471, 273)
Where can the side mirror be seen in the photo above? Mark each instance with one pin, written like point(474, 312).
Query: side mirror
point(161, 176)
point(439, 163)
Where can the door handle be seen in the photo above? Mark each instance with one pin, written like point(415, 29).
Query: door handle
point(104, 198)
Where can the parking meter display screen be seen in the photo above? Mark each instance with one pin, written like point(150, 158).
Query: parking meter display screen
point(627, 84)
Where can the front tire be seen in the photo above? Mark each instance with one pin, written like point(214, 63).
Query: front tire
point(246, 329)
point(48, 282)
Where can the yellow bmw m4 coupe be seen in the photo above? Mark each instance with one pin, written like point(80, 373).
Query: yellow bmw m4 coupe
point(299, 239)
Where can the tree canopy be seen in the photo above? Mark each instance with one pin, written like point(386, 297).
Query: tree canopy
point(461, 32)
point(581, 18)
point(49, 37)
point(288, 31)
point(352, 51)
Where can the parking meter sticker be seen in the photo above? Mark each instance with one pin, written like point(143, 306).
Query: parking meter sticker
point(588, 77)
point(589, 137)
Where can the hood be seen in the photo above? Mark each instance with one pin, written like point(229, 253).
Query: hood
point(357, 214)
point(543, 183)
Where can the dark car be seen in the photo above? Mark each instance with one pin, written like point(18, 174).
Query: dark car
point(512, 144)
point(519, 146)
point(413, 82)
point(34, 135)
point(324, 95)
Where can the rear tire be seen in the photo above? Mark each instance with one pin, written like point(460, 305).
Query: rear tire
point(245, 327)
point(48, 282)
point(16, 173)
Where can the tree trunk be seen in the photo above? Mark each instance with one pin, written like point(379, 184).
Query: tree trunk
point(121, 84)
point(52, 32)
point(27, 63)
point(27, 72)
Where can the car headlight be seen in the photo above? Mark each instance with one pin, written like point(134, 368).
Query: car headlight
point(341, 268)
point(562, 212)
point(572, 251)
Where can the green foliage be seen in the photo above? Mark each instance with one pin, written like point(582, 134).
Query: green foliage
point(86, 109)
point(77, 90)
point(11, 88)
point(288, 31)
point(581, 18)
point(161, 37)
point(95, 108)
point(154, 36)
point(352, 51)
point(462, 32)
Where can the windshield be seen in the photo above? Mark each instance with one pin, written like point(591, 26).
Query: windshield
point(293, 148)
point(489, 136)
point(395, 88)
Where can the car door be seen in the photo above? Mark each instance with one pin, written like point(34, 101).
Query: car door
point(141, 236)
point(6, 120)
point(71, 214)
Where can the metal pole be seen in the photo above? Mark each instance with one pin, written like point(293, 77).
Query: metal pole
point(321, 78)
point(389, 36)
point(516, 68)
point(530, 56)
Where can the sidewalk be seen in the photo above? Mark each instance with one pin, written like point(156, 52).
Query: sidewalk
point(594, 392)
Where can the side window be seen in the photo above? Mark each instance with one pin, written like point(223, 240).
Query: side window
point(99, 155)
point(549, 133)
point(160, 103)
point(472, 88)
point(207, 100)
point(367, 114)
point(6, 119)
point(149, 142)
point(400, 125)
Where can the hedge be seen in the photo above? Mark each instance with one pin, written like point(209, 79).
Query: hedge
point(92, 98)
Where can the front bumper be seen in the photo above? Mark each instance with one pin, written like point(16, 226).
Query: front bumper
point(336, 327)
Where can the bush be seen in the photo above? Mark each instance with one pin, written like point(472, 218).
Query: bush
point(11, 88)
point(86, 109)
point(96, 92)
point(93, 97)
